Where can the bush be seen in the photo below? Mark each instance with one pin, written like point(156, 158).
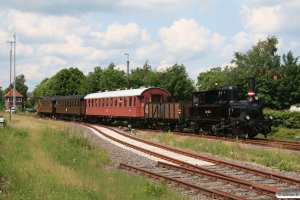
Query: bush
point(287, 118)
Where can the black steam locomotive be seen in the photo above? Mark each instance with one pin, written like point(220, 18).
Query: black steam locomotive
point(219, 112)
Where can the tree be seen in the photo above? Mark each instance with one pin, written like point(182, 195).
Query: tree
point(138, 77)
point(177, 82)
point(65, 82)
point(262, 61)
point(289, 60)
point(145, 76)
point(92, 82)
point(41, 90)
point(213, 79)
point(289, 89)
point(262, 56)
point(112, 79)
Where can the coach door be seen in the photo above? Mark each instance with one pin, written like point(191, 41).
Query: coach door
point(53, 107)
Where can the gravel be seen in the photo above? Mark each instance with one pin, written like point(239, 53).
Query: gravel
point(119, 155)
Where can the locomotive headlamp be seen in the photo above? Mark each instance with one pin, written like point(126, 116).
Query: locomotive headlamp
point(256, 98)
point(247, 117)
point(271, 117)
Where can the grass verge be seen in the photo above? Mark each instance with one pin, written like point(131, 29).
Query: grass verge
point(277, 158)
point(282, 133)
point(43, 159)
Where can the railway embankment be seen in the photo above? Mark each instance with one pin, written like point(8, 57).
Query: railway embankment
point(47, 159)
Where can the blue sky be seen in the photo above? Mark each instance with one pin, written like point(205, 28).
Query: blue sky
point(57, 34)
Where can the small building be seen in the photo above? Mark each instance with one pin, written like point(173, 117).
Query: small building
point(9, 100)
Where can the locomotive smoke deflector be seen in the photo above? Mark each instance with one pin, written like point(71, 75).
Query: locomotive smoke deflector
point(251, 87)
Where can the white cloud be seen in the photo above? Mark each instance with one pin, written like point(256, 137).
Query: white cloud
point(262, 19)
point(118, 35)
point(152, 51)
point(271, 17)
point(186, 36)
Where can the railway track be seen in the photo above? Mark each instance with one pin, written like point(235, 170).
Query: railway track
point(294, 146)
point(263, 184)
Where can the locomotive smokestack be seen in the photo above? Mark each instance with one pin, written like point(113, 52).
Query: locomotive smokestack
point(251, 86)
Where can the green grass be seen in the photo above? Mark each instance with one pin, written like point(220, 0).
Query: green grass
point(42, 159)
point(282, 133)
point(277, 158)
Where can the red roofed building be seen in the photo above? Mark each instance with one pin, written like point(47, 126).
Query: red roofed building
point(9, 99)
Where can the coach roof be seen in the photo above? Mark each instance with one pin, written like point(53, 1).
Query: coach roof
point(119, 93)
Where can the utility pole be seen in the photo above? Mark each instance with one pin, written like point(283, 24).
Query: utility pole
point(14, 92)
point(127, 54)
point(10, 66)
point(127, 78)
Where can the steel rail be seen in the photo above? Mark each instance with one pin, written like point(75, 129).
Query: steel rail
point(270, 191)
point(214, 193)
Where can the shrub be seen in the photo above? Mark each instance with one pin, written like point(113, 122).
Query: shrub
point(287, 118)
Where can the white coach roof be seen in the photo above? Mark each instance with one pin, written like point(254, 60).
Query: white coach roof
point(118, 93)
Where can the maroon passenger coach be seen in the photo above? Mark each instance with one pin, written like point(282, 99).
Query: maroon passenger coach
point(124, 104)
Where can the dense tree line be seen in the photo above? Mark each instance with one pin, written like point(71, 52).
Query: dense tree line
point(277, 77)
point(72, 81)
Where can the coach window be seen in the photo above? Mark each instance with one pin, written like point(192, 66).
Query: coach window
point(116, 102)
point(130, 101)
point(125, 101)
point(120, 102)
point(98, 102)
point(134, 101)
point(111, 101)
point(106, 102)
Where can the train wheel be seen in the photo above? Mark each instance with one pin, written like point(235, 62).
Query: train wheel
point(208, 129)
point(252, 132)
point(196, 130)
